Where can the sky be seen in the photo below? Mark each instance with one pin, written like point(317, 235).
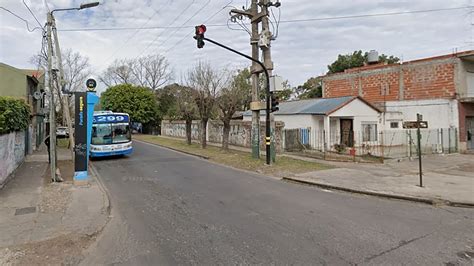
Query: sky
point(301, 50)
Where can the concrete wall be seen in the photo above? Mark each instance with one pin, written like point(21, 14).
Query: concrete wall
point(178, 129)
point(440, 113)
point(12, 154)
point(240, 132)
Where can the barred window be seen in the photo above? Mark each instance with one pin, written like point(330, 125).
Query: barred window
point(369, 131)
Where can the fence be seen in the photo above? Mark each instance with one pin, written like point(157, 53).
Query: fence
point(384, 144)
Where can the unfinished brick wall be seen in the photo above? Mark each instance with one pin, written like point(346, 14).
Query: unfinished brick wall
point(430, 81)
point(417, 80)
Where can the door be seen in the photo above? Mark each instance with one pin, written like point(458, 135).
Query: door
point(470, 132)
point(347, 133)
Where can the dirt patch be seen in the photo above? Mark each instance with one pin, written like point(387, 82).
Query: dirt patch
point(66, 169)
point(467, 167)
point(62, 250)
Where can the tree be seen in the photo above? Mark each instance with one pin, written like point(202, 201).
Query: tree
point(151, 71)
point(236, 96)
point(357, 59)
point(205, 83)
point(183, 106)
point(119, 72)
point(138, 102)
point(147, 71)
point(312, 88)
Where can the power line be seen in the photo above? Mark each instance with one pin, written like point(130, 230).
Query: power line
point(174, 20)
point(284, 21)
point(33, 14)
point(131, 37)
point(195, 14)
point(207, 20)
point(24, 20)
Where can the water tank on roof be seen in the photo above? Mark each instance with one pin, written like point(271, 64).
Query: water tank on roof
point(373, 57)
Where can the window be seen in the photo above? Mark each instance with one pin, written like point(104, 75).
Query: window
point(369, 131)
point(393, 124)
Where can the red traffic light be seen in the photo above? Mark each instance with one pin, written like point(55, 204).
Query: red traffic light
point(200, 30)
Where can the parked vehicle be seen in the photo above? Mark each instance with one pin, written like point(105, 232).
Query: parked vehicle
point(62, 132)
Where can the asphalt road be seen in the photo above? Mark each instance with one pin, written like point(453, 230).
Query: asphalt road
point(169, 208)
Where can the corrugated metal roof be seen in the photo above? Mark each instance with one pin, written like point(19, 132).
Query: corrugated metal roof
point(318, 106)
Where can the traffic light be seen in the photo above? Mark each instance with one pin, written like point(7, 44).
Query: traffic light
point(200, 30)
point(274, 102)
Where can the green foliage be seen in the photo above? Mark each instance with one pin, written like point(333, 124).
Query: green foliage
point(357, 59)
point(310, 89)
point(14, 115)
point(138, 102)
point(177, 102)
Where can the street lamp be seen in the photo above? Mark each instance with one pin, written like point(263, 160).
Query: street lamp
point(52, 74)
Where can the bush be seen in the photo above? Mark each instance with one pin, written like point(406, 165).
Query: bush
point(340, 148)
point(14, 115)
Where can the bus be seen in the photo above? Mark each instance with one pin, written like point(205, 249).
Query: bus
point(111, 134)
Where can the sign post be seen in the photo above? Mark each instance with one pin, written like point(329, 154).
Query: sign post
point(419, 119)
point(84, 107)
point(419, 123)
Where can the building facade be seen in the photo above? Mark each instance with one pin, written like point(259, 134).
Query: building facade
point(26, 84)
point(440, 88)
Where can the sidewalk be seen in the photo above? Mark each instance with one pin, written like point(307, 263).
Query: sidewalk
point(447, 179)
point(48, 223)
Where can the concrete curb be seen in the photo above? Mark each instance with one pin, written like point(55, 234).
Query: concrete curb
point(173, 149)
point(102, 188)
point(383, 195)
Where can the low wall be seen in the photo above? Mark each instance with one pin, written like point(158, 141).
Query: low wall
point(240, 132)
point(12, 154)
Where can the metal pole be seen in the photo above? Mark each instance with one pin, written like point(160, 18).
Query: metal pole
point(267, 122)
point(52, 109)
point(418, 118)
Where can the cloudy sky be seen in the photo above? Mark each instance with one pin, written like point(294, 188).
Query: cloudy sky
point(302, 49)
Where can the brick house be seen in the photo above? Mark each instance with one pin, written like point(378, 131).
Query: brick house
point(441, 88)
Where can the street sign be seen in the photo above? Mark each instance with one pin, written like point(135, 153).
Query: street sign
point(414, 124)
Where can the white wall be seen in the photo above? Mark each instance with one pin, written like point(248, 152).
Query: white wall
point(292, 121)
point(12, 153)
point(359, 112)
point(440, 113)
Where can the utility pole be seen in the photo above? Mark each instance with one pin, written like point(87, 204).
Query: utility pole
point(255, 70)
point(52, 108)
point(60, 84)
point(267, 61)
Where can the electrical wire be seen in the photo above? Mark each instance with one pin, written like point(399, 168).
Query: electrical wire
point(184, 23)
point(33, 14)
point(130, 37)
point(174, 20)
point(207, 20)
point(291, 20)
point(24, 20)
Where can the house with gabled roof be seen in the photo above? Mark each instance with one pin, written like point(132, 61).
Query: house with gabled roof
point(331, 120)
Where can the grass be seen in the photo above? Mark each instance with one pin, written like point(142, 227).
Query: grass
point(63, 143)
point(284, 166)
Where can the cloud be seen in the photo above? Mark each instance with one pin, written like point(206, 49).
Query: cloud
point(302, 50)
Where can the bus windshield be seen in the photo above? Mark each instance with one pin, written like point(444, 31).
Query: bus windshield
point(110, 133)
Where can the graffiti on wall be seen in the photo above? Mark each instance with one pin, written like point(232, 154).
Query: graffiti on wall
point(12, 153)
point(239, 135)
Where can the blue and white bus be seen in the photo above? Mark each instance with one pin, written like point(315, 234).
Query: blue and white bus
point(111, 134)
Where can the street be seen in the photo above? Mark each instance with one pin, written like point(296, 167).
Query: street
point(170, 208)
